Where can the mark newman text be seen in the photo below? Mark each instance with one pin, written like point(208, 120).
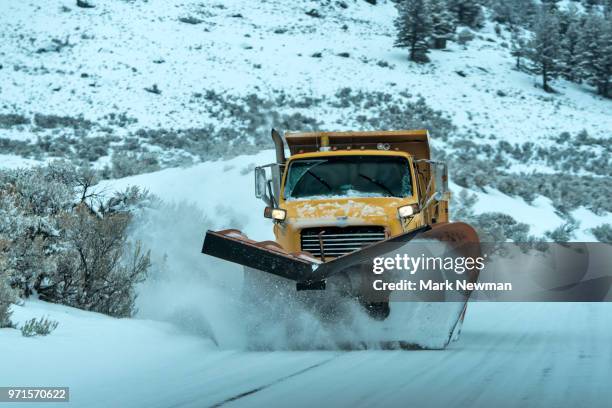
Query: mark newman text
point(410, 285)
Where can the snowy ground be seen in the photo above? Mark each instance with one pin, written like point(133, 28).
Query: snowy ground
point(510, 354)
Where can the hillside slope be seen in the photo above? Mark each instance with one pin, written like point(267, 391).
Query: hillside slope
point(65, 60)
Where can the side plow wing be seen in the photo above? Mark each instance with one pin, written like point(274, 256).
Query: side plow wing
point(233, 246)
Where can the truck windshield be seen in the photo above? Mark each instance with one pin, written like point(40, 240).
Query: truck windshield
point(348, 176)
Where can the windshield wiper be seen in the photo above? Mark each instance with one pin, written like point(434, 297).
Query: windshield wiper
point(378, 183)
point(319, 179)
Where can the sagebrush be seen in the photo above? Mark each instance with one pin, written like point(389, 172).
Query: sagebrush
point(7, 296)
point(68, 243)
point(41, 327)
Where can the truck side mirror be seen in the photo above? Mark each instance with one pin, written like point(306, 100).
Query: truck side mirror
point(260, 182)
point(440, 170)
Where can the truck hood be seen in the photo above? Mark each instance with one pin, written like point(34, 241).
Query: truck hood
point(344, 211)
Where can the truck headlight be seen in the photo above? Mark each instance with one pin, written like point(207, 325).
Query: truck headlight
point(276, 214)
point(406, 211)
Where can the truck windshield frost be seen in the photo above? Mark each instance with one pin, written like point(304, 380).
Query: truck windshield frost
point(349, 176)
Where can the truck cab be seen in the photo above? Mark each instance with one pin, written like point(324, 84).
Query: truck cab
point(341, 191)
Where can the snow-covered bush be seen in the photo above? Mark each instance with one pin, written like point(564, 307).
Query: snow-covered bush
point(563, 233)
point(128, 164)
point(463, 206)
point(8, 120)
point(66, 242)
point(55, 121)
point(40, 327)
point(492, 227)
point(603, 233)
point(465, 36)
point(499, 227)
point(475, 165)
point(7, 295)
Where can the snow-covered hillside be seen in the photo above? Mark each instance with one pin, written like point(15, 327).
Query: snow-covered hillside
point(114, 51)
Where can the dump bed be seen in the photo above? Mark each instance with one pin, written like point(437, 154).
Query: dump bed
point(414, 142)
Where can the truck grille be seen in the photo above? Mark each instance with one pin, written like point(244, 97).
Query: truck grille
point(338, 241)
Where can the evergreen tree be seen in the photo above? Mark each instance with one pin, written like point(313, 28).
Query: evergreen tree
point(414, 28)
point(467, 12)
point(595, 55)
point(551, 5)
point(518, 46)
point(570, 27)
point(543, 48)
point(503, 12)
point(588, 4)
point(607, 10)
point(526, 10)
point(443, 22)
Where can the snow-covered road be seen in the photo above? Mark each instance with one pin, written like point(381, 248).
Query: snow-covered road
point(512, 354)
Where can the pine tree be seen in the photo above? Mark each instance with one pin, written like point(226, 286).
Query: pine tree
point(518, 46)
point(543, 48)
point(551, 5)
point(570, 27)
point(503, 12)
point(607, 10)
point(414, 28)
point(526, 10)
point(513, 13)
point(595, 55)
point(605, 64)
point(443, 22)
point(467, 12)
point(588, 4)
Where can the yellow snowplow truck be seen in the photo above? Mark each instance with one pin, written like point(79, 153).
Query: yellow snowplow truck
point(337, 202)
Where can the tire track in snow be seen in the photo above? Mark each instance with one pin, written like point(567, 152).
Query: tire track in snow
point(277, 381)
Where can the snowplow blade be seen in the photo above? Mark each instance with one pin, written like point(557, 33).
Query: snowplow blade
point(231, 245)
point(267, 256)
